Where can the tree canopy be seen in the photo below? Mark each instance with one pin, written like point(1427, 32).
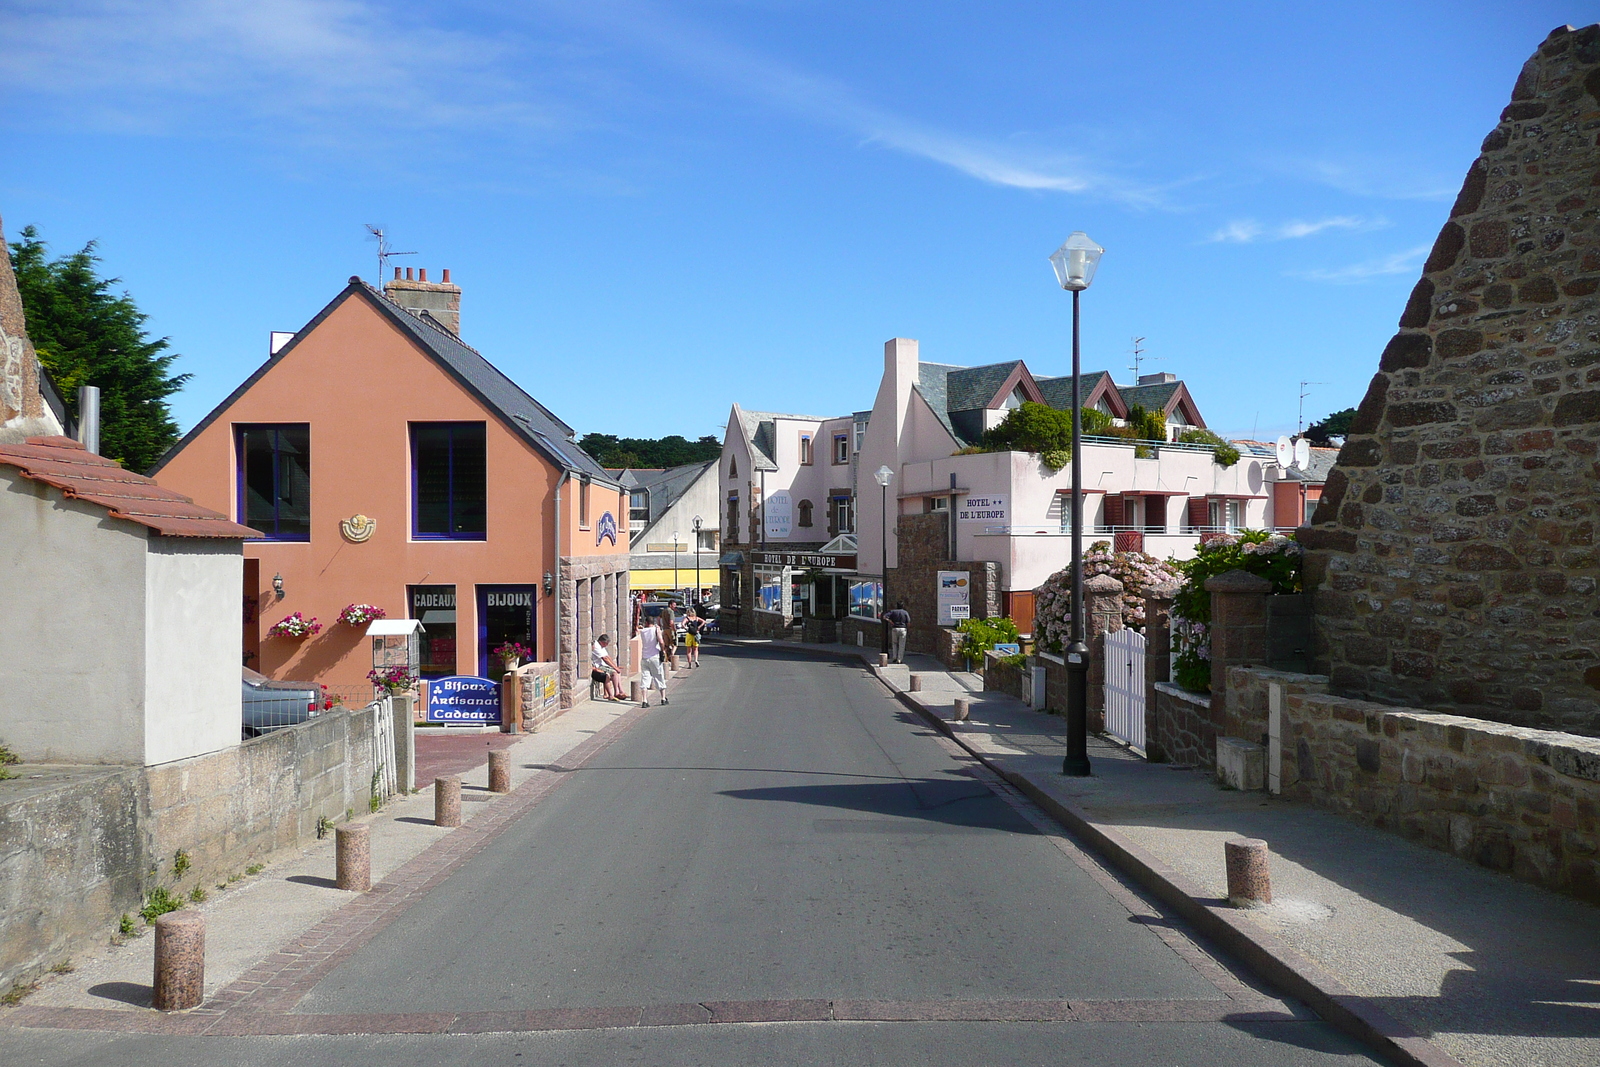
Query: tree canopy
point(673, 450)
point(86, 335)
point(1323, 431)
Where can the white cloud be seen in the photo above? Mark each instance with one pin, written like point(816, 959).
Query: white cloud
point(1249, 231)
point(1407, 262)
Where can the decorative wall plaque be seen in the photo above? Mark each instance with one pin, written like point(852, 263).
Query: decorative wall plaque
point(357, 528)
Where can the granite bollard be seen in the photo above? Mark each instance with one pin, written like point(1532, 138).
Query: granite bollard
point(500, 772)
point(447, 801)
point(180, 974)
point(916, 683)
point(1249, 878)
point(883, 659)
point(353, 857)
point(963, 709)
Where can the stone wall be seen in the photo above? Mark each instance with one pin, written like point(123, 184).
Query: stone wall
point(1453, 552)
point(1249, 704)
point(1012, 679)
point(1181, 730)
point(1514, 799)
point(922, 543)
point(80, 848)
point(599, 584)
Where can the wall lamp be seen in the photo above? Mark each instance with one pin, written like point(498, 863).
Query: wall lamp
point(549, 583)
point(277, 585)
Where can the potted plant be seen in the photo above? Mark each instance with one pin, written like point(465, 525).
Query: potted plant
point(396, 679)
point(512, 654)
point(295, 625)
point(361, 614)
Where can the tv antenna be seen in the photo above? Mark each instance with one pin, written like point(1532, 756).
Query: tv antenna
point(1139, 358)
point(1300, 420)
point(384, 251)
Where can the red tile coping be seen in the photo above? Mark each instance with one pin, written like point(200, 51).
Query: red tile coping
point(66, 465)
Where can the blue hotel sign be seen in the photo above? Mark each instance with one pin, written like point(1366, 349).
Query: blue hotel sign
point(463, 700)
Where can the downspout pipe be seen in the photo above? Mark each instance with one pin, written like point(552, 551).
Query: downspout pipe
point(555, 569)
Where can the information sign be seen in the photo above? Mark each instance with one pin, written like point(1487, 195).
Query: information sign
point(989, 510)
point(460, 699)
point(1008, 648)
point(779, 514)
point(955, 591)
point(960, 611)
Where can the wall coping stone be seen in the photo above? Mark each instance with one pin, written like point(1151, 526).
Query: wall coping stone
point(1202, 700)
point(1051, 658)
point(1237, 581)
point(1102, 583)
point(1285, 677)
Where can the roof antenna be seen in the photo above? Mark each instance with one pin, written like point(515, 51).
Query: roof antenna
point(1300, 420)
point(1139, 357)
point(384, 252)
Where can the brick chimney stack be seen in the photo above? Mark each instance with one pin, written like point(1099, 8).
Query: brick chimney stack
point(441, 300)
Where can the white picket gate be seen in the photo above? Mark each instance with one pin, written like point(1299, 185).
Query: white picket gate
point(1125, 687)
point(383, 747)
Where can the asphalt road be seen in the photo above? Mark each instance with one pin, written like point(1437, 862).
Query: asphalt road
point(783, 835)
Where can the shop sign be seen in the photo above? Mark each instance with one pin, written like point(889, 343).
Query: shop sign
point(606, 528)
point(459, 699)
point(779, 514)
point(985, 509)
point(955, 591)
point(821, 560)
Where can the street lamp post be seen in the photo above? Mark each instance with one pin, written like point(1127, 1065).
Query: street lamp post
point(697, 524)
point(884, 476)
point(1075, 262)
point(675, 588)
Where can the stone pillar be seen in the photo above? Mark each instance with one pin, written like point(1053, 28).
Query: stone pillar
point(180, 974)
point(1157, 662)
point(1102, 614)
point(405, 742)
point(1238, 630)
point(352, 865)
point(567, 648)
point(500, 771)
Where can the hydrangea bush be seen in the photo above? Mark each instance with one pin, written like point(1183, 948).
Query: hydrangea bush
point(1137, 571)
point(1275, 557)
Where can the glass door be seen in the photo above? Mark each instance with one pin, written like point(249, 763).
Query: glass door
point(505, 613)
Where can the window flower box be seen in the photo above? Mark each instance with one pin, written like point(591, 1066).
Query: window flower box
point(296, 626)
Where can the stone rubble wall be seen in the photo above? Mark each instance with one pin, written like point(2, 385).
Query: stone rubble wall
point(1453, 552)
point(76, 856)
point(1181, 730)
point(1514, 799)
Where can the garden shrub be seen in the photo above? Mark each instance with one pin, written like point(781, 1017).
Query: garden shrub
point(1273, 556)
point(1137, 571)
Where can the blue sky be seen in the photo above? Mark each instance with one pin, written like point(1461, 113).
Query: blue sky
point(655, 210)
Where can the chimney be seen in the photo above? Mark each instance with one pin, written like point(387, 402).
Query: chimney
point(441, 300)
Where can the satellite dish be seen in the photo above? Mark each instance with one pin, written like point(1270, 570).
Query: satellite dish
point(1285, 452)
point(1302, 454)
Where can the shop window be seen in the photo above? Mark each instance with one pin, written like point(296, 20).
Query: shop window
point(841, 448)
point(866, 599)
point(275, 480)
point(805, 450)
point(583, 504)
point(769, 589)
point(449, 480)
point(805, 513)
point(505, 613)
point(435, 606)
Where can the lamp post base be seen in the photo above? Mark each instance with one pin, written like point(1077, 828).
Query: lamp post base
point(1076, 764)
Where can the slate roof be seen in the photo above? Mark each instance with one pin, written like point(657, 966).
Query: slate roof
point(665, 484)
point(760, 430)
point(1058, 391)
point(518, 411)
point(970, 388)
point(933, 382)
point(1153, 397)
point(68, 466)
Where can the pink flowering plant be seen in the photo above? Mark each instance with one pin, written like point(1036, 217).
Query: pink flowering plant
point(1137, 571)
point(512, 650)
point(396, 679)
point(295, 625)
point(1273, 556)
point(361, 614)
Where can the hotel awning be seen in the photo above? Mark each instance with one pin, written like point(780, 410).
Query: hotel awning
point(731, 559)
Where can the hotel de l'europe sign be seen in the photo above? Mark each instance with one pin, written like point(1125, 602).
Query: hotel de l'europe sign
point(828, 561)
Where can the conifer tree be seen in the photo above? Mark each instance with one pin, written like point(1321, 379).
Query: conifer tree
point(87, 335)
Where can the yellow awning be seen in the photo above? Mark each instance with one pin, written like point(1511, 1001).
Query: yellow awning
point(662, 579)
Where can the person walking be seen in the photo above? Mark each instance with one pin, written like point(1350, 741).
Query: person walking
point(604, 669)
point(669, 638)
point(899, 620)
point(691, 637)
point(652, 660)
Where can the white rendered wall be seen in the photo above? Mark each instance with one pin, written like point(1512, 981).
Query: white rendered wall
point(72, 615)
point(193, 632)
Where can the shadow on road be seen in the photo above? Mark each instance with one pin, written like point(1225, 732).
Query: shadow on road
point(951, 803)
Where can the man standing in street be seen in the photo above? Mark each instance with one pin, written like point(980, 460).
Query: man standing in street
point(652, 671)
point(899, 621)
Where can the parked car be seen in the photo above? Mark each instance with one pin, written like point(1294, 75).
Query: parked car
point(271, 705)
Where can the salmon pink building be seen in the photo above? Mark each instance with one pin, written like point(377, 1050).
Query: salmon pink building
point(390, 464)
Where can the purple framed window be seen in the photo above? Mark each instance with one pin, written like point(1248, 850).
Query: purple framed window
point(274, 479)
point(449, 481)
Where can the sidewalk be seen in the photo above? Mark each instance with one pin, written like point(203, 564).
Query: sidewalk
point(250, 919)
point(1486, 969)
